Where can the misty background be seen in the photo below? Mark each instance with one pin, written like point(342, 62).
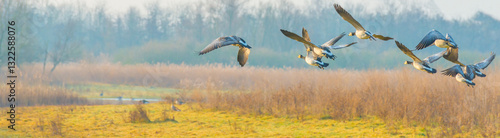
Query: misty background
point(172, 32)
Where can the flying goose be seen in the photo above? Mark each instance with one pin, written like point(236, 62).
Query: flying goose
point(461, 76)
point(313, 60)
point(322, 50)
point(361, 33)
point(230, 40)
point(420, 64)
point(436, 38)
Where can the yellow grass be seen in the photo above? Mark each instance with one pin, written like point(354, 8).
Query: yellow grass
point(111, 121)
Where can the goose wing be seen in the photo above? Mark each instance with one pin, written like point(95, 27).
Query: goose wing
point(483, 64)
point(243, 55)
point(297, 38)
point(305, 35)
point(408, 52)
point(342, 46)
point(453, 71)
point(429, 39)
point(218, 43)
point(346, 16)
point(433, 58)
point(381, 37)
point(333, 40)
point(452, 56)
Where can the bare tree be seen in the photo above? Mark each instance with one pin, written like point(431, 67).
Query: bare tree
point(66, 48)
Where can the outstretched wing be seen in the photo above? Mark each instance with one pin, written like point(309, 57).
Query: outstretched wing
point(429, 39)
point(305, 35)
point(346, 16)
point(483, 64)
point(243, 55)
point(452, 56)
point(218, 43)
point(333, 40)
point(342, 46)
point(433, 58)
point(453, 71)
point(381, 37)
point(408, 52)
point(297, 38)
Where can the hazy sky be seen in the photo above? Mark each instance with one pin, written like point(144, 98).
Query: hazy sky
point(449, 9)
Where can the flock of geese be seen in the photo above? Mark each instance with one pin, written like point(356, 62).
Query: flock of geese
point(461, 72)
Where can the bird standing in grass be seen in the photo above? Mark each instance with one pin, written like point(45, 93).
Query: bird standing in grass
point(361, 33)
point(175, 108)
point(230, 40)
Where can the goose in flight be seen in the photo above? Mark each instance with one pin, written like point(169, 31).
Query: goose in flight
point(320, 51)
point(311, 58)
point(422, 65)
point(460, 75)
point(361, 33)
point(324, 49)
point(230, 40)
point(436, 38)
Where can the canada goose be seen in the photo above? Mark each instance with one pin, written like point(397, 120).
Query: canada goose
point(482, 65)
point(420, 64)
point(361, 33)
point(230, 40)
point(175, 108)
point(461, 76)
point(313, 60)
point(436, 38)
point(322, 50)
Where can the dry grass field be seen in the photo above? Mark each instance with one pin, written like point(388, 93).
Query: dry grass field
point(432, 104)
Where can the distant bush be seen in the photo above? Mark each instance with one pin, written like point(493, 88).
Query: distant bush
point(139, 115)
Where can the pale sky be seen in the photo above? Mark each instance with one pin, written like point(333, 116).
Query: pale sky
point(449, 9)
